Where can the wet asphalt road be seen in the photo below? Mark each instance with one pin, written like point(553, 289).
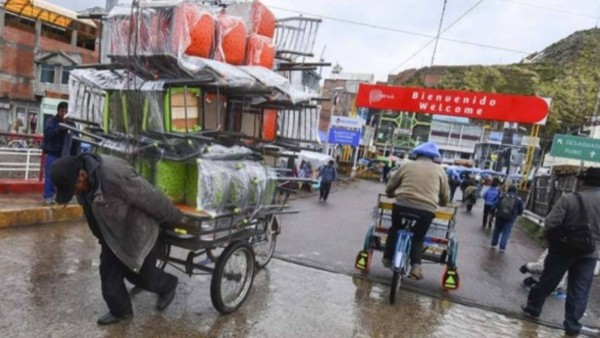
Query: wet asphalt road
point(330, 235)
point(49, 287)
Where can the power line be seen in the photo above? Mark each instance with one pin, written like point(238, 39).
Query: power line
point(552, 9)
point(437, 38)
point(432, 40)
point(397, 30)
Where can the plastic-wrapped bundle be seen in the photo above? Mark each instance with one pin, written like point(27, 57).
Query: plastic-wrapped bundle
point(240, 185)
point(170, 179)
point(263, 20)
point(260, 51)
point(194, 29)
point(217, 151)
point(271, 186)
point(231, 42)
point(191, 184)
point(213, 185)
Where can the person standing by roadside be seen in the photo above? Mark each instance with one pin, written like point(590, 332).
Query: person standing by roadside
point(52, 146)
point(508, 208)
point(490, 197)
point(124, 212)
point(328, 174)
point(575, 218)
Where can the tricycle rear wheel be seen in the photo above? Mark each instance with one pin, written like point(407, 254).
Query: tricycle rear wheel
point(233, 277)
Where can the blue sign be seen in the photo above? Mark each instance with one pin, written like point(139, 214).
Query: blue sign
point(344, 136)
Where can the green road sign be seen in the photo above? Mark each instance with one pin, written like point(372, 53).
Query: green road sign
point(578, 148)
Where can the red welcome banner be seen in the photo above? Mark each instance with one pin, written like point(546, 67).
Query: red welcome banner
point(459, 103)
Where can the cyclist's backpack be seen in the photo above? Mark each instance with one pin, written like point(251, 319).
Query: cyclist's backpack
point(507, 206)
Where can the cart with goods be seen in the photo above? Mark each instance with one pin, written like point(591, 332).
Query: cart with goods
point(440, 245)
point(191, 100)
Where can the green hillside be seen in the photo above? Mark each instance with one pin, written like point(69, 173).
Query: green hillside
point(568, 71)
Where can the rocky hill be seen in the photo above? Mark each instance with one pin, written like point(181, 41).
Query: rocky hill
point(567, 71)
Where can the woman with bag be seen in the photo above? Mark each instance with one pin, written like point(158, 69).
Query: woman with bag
point(573, 232)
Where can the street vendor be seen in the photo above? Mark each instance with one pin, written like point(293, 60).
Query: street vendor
point(419, 188)
point(124, 212)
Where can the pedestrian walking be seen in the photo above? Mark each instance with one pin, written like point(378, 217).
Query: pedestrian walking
point(573, 231)
point(491, 198)
point(470, 195)
point(328, 174)
point(52, 147)
point(509, 207)
point(124, 212)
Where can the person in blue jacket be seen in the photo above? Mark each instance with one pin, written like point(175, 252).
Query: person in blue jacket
point(508, 208)
point(52, 147)
point(328, 174)
point(491, 198)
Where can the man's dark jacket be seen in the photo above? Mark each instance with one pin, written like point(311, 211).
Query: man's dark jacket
point(123, 209)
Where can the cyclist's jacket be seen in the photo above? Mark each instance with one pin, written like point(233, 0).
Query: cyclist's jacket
point(420, 184)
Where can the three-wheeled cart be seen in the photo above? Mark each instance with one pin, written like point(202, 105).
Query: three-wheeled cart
point(440, 245)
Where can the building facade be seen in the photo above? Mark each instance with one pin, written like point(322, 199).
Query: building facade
point(40, 43)
point(456, 137)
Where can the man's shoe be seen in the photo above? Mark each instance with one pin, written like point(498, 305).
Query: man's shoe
point(571, 333)
point(165, 299)
point(386, 262)
point(523, 269)
point(416, 272)
point(108, 318)
point(49, 201)
point(530, 312)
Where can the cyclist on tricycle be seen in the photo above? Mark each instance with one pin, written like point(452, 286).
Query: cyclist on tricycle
point(419, 187)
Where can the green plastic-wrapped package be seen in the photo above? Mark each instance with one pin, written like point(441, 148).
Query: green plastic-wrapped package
point(191, 184)
point(170, 179)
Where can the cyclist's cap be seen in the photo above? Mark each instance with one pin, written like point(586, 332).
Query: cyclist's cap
point(64, 175)
point(428, 149)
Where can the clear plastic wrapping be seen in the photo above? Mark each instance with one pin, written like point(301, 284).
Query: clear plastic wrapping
point(260, 51)
point(274, 80)
point(237, 184)
point(231, 41)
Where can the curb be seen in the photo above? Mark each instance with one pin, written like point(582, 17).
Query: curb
point(29, 216)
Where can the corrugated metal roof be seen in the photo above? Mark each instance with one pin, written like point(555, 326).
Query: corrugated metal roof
point(45, 11)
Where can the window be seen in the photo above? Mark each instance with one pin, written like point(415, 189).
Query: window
point(47, 73)
point(66, 70)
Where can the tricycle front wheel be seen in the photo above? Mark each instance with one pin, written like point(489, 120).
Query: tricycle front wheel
point(233, 277)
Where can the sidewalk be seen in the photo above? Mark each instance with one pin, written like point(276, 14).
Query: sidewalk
point(28, 209)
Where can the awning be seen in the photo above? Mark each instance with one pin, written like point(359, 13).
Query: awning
point(44, 11)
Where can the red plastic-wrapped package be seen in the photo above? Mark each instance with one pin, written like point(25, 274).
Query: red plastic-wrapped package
point(231, 42)
point(260, 51)
point(193, 29)
point(263, 20)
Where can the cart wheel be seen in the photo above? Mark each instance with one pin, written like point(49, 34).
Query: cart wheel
point(264, 243)
point(233, 277)
point(452, 254)
point(396, 282)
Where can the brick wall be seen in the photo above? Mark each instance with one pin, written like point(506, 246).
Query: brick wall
point(17, 60)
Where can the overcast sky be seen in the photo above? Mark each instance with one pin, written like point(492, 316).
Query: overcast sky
point(518, 25)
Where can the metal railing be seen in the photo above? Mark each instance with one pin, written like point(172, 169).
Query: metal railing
point(20, 162)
